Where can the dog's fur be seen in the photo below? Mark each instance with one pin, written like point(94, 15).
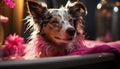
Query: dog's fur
point(57, 32)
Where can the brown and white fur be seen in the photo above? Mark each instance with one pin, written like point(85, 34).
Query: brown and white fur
point(57, 32)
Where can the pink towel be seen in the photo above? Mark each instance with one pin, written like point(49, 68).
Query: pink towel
point(98, 47)
point(14, 47)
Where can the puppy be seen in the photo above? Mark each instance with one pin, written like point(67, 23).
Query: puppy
point(57, 32)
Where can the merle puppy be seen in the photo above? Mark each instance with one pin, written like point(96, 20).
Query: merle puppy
point(57, 32)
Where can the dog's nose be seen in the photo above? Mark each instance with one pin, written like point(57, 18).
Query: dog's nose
point(70, 31)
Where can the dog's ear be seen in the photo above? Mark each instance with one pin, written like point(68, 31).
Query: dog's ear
point(77, 9)
point(36, 10)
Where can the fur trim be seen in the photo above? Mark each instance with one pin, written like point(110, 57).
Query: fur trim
point(38, 47)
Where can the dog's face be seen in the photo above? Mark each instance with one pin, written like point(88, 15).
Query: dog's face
point(58, 26)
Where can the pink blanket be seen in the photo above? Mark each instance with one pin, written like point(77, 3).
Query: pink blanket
point(15, 49)
point(98, 47)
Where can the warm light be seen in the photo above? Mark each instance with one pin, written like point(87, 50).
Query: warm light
point(103, 0)
point(115, 9)
point(104, 11)
point(99, 6)
point(117, 3)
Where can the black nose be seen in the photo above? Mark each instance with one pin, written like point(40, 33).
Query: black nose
point(70, 31)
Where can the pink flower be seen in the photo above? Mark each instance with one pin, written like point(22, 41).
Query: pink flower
point(10, 3)
point(13, 46)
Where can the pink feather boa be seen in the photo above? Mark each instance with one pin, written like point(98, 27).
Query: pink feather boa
point(38, 47)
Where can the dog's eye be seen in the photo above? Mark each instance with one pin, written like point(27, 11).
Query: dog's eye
point(55, 23)
point(70, 20)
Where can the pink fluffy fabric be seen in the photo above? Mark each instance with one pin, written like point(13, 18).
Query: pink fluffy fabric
point(93, 47)
point(13, 48)
point(38, 47)
point(10, 3)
